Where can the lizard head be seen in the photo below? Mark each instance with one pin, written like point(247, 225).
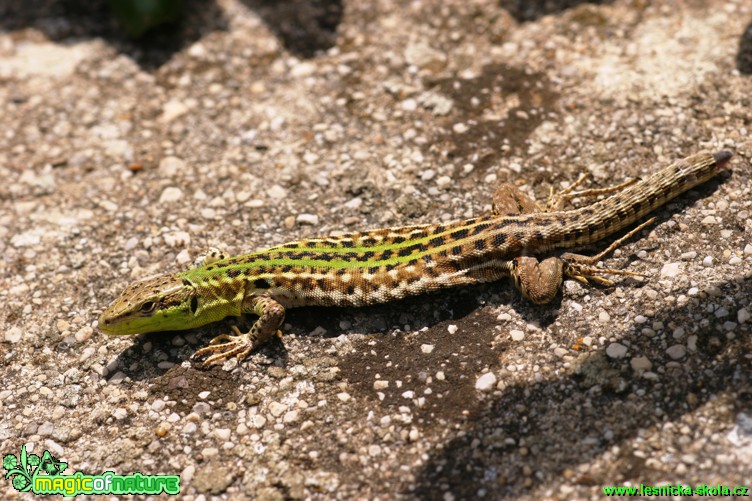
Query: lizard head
point(161, 303)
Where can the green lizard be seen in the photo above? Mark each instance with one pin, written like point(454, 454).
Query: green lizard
point(377, 266)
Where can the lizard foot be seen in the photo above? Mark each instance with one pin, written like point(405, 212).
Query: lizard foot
point(226, 346)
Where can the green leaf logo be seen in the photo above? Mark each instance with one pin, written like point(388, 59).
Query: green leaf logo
point(24, 469)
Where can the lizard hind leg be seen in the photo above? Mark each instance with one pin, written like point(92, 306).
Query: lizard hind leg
point(508, 200)
point(557, 200)
point(538, 281)
point(583, 268)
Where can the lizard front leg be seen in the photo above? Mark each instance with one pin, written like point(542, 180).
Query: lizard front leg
point(271, 315)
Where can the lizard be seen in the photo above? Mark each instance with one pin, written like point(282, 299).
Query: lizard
point(382, 265)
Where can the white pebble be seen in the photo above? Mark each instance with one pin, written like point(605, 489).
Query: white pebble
point(670, 270)
point(276, 192)
point(444, 182)
point(173, 109)
point(409, 105)
point(708, 261)
point(486, 382)
point(13, 335)
point(170, 194)
point(426, 348)
point(305, 218)
point(222, 433)
point(354, 203)
point(380, 384)
point(452, 328)
point(169, 166)
point(517, 335)
point(277, 408)
point(459, 128)
point(427, 174)
point(604, 317)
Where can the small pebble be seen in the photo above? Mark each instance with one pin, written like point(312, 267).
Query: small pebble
point(170, 194)
point(426, 348)
point(276, 192)
point(13, 335)
point(486, 382)
point(277, 409)
point(616, 350)
point(670, 270)
point(311, 219)
point(641, 364)
point(676, 351)
point(742, 315)
point(380, 384)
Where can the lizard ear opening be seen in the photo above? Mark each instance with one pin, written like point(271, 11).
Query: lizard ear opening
point(194, 304)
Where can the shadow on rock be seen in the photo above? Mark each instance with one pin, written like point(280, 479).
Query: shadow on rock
point(531, 10)
point(744, 56)
point(532, 434)
point(305, 27)
point(61, 20)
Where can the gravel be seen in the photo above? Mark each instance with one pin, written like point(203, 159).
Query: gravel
point(269, 122)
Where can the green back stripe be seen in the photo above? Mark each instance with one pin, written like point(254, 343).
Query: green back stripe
point(468, 224)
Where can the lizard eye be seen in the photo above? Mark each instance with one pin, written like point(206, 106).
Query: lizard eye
point(147, 306)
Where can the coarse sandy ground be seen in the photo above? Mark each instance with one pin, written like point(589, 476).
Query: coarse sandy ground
point(256, 122)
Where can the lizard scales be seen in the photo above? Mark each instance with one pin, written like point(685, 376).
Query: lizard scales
point(377, 266)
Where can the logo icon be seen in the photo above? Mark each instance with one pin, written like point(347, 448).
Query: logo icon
point(44, 475)
point(25, 469)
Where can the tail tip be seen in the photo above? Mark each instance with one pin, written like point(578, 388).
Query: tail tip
point(721, 157)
